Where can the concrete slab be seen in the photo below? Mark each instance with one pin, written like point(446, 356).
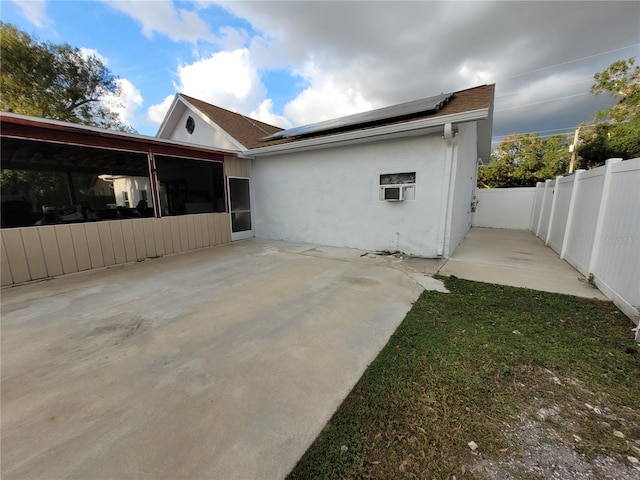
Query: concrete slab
point(222, 363)
point(517, 258)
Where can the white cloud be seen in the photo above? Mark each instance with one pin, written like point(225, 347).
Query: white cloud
point(354, 56)
point(35, 11)
point(264, 113)
point(546, 93)
point(327, 97)
point(92, 52)
point(227, 79)
point(476, 72)
point(381, 53)
point(130, 100)
point(161, 16)
point(324, 101)
point(224, 76)
point(125, 102)
point(156, 113)
point(233, 38)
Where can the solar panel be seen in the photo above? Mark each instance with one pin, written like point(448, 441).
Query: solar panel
point(386, 113)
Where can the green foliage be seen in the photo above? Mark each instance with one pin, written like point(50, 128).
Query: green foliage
point(58, 82)
point(609, 140)
point(619, 136)
point(621, 81)
point(54, 81)
point(521, 160)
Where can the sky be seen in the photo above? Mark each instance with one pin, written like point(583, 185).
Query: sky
point(293, 63)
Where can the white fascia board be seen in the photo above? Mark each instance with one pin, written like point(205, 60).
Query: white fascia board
point(214, 125)
point(111, 133)
point(168, 116)
point(386, 131)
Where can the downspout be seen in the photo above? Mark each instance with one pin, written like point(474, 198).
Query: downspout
point(446, 180)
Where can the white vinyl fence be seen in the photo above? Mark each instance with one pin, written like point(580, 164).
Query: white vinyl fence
point(504, 208)
point(591, 219)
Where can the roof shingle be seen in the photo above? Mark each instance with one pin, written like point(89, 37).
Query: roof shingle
point(245, 130)
point(251, 133)
point(476, 98)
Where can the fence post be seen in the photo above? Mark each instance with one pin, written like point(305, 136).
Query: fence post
point(544, 200)
point(533, 210)
point(597, 237)
point(553, 209)
point(572, 208)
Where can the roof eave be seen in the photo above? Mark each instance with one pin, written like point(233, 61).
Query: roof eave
point(58, 125)
point(383, 131)
point(168, 116)
point(485, 132)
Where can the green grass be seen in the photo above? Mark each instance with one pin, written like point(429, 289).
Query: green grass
point(463, 366)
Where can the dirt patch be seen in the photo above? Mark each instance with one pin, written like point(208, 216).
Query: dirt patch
point(556, 439)
point(540, 451)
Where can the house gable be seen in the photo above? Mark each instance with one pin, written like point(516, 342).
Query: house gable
point(185, 123)
point(226, 129)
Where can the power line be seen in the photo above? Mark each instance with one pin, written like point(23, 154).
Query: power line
point(496, 138)
point(560, 130)
point(512, 94)
point(541, 101)
point(567, 62)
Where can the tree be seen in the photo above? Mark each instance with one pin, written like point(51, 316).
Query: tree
point(621, 81)
point(524, 159)
point(521, 160)
point(55, 81)
point(619, 135)
point(58, 82)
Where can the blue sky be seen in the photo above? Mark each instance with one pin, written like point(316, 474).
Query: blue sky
point(292, 63)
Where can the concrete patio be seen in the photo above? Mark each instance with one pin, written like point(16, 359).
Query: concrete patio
point(223, 363)
point(220, 363)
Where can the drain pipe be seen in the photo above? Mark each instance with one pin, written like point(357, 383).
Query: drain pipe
point(446, 180)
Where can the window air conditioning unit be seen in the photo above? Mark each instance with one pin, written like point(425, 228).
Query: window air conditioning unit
point(393, 194)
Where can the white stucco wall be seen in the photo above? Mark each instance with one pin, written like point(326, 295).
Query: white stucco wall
point(203, 133)
point(463, 181)
point(331, 196)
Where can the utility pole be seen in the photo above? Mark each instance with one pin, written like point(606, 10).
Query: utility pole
point(574, 151)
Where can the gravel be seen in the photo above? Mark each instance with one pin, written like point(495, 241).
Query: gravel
point(537, 450)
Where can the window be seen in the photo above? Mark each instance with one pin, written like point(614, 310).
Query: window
point(125, 199)
point(396, 187)
point(190, 125)
point(190, 186)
